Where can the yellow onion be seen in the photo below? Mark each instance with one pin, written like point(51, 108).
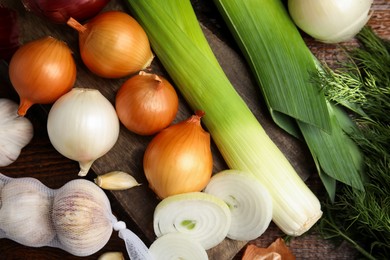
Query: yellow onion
point(179, 158)
point(41, 71)
point(146, 103)
point(113, 44)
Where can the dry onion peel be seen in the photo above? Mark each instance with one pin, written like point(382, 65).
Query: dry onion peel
point(113, 44)
point(203, 217)
point(41, 71)
point(249, 202)
point(146, 103)
point(83, 126)
point(179, 158)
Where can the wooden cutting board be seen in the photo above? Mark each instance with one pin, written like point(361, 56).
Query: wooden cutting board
point(127, 154)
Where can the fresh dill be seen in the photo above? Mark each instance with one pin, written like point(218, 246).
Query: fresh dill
point(362, 85)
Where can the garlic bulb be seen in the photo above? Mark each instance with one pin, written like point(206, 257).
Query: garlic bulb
point(82, 217)
point(83, 126)
point(25, 212)
point(76, 217)
point(15, 132)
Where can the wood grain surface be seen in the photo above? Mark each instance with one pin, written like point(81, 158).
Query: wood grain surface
point(40, 160)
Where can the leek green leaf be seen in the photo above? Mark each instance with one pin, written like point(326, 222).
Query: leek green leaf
point(284, 66)
point(179, 43)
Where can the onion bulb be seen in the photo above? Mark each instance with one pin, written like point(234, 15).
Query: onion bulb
point(330, 21)
point(113, 44)
point(59, 11)
point(177, 245)
point(82, 125)
point(146, 103)
point(41, 71)
point(179, 158)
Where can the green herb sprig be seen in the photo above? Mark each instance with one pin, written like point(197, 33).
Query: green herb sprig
point(362, 85)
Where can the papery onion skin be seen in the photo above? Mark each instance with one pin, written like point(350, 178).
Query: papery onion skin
point(113, 44)
point(179, 159)
point(59, 11)
point(146, 103)
point(330, 21)
point(41, 71)
point(83, 126)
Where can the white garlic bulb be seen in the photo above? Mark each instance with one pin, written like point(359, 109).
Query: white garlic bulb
point(83, 126)
point(25, 212)
point(82, 217)
point(15, 132)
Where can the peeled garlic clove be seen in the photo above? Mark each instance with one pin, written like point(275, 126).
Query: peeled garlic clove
point(15, 132)
point(112, 256)
point(25, 212)
point(82, 217)
point(116, 180)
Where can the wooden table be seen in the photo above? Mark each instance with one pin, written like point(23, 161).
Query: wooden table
point(40, 160)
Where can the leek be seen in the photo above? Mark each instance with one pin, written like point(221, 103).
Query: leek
point(178, 41)
point(284, 66)
point(249, 202)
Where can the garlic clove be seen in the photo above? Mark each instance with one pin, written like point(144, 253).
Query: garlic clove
point(25, 212)
point(15, 132)
point(116, 180)
point(112, 256)
point(82, 217)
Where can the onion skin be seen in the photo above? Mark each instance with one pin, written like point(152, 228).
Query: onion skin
point(179, 159)
point(146, 103)
point(83, 126)
point(330, 21)
point(59, 11)
point(41, 71)
point(113, 44)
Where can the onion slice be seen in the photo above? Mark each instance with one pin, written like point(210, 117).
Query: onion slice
point(249, 202)
point(177, 246)
point(203, 217)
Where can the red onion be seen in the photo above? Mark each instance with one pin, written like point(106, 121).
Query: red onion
point(59, 11)
point(9, 33)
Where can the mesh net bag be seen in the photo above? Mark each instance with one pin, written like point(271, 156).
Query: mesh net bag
point(76, 217)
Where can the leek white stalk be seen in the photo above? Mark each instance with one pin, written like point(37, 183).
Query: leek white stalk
point(82, 125)
point(203, 217)
point(175, 32)
point(177, 246)
point(330, 21)
point(249, 202)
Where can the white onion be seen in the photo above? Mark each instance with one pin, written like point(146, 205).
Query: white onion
point(249, 202)
point(82, 125)
point(330, 21)
point(202, 217)
point(177, 246)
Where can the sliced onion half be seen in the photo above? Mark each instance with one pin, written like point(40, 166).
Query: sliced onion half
point(249, 202)
point(203, 217)
point(177, 246)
